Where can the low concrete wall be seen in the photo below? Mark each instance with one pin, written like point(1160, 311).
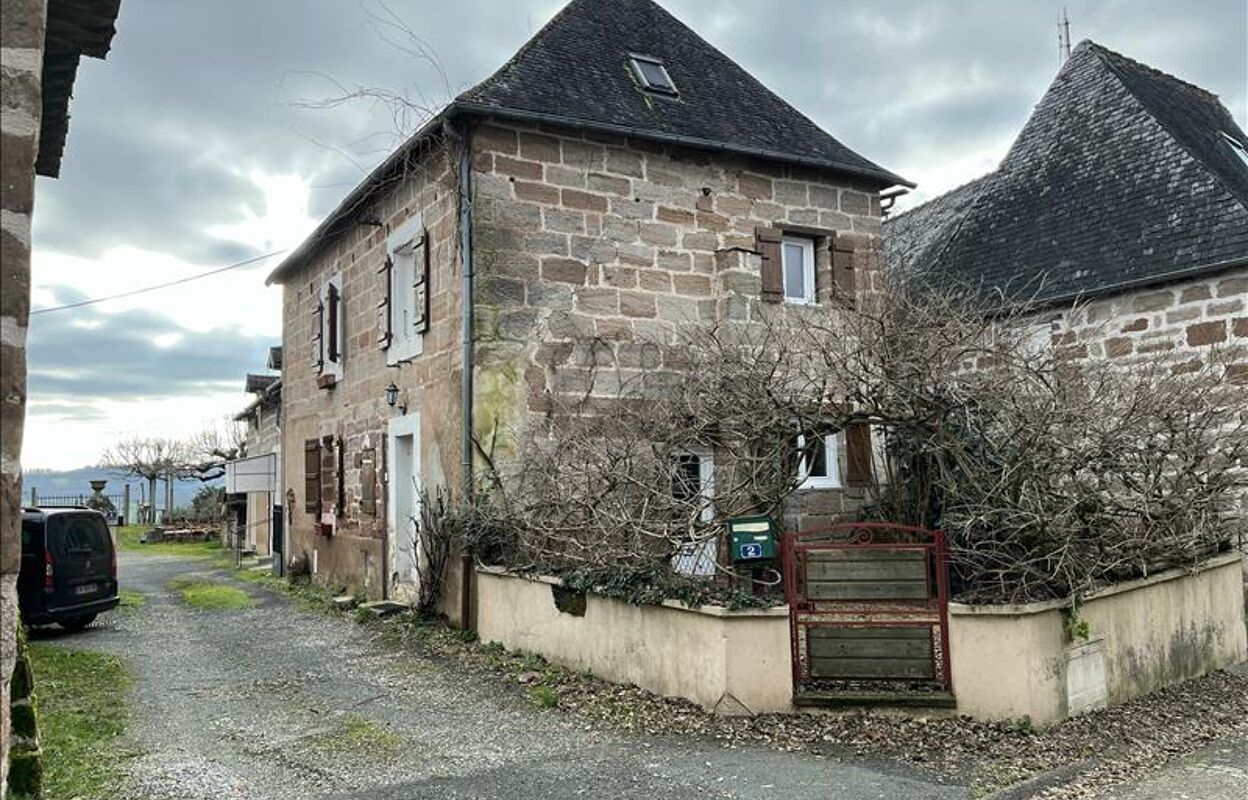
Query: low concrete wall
point(726, 661)
point(1013, 661)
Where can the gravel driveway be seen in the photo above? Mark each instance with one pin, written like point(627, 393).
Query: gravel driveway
point(272, 702)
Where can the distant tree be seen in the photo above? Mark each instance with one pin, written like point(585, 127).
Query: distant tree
point(208, 503)
point(148, 457)
point(203, 456)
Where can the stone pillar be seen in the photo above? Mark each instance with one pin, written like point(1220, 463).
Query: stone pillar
point(22, 24)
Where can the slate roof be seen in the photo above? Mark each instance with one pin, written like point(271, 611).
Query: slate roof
point(575, 72)
point(260, 383)
point(1120, 178)
point(74, 28)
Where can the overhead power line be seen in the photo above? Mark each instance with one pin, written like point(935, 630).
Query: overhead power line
point(146, 289)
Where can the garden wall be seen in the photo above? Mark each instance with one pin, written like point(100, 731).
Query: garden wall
point(1011, 661)
point(725, 661)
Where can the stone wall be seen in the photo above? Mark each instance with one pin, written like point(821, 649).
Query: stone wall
point(1177, 324)
point(591, 251)
point(354, 411)
point(21, 64)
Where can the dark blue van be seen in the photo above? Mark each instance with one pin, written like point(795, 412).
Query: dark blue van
point(69, 567)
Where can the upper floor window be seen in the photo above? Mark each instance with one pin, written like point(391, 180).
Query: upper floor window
point(329, 332)
point(798, 256)
point(403, 310)
point(652, 74)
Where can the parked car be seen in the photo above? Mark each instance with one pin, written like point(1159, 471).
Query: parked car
point(69, 567)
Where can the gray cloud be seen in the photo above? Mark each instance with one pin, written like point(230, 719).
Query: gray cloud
point(83, 355)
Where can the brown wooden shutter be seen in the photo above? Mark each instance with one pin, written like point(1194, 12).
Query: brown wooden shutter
point(312, 476)
point(318, 337)
point(843, 268)
point(366, 460)
point(385, 332)
point(767, 243)
point(858, 467)
point(420, 287)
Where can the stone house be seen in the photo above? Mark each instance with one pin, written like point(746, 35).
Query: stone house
point(258, 474)
point(1121, 211)
point(616, 178)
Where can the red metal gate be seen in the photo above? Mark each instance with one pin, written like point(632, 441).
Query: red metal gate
point(868, 607)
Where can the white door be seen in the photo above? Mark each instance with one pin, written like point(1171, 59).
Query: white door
point(403, 495)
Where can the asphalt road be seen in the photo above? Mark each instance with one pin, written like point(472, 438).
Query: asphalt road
point(1216, 772)
point(274, 703)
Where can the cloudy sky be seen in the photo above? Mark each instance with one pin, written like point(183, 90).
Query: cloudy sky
point(206, 138)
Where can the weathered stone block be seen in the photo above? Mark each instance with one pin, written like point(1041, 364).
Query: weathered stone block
point(550, 295)
point(1239, 326)
point(755, 187)
point(537, 147)
point(563, 270)
point(1233, 287)
point(1194, 293)
point(1206, 333)
point(562, 220)
point(654, 280)
point(537, 192)
point(516, 168)
point(619, 277)
point(608, 184)
point(624, 162)
point(637, 304)
point(565, 176)
point(1136, 326)
point(573, 198)
point(1153, 301)
point(658, 233)
point(501, 140)
point(590, 300)
point(675, 216)
point(583, 155)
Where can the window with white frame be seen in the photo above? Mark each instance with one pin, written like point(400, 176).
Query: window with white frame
point(818, 465)
point(403, 310)
point(329, 332)
point(693, 479)
point(797, 255)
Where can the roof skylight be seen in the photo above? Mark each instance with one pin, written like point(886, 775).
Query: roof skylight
point(1237, 147)
point(652, 74)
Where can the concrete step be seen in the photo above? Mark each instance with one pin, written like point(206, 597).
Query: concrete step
point(900, 699)
point(384, 608)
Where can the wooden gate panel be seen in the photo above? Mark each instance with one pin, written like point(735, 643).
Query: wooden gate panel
point(868, 603)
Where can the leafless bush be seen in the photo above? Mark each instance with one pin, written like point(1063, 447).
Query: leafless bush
point(433, 535)
point(1050, 475)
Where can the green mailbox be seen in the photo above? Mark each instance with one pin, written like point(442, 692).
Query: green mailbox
point(752, 539)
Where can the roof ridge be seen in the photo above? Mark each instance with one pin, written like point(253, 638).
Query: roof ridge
point(1109, 56)
point(523, 49)
point(1101, 51)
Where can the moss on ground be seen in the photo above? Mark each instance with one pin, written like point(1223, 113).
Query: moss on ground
point(131, 598)
point(358, 736)
point(82, 713)
point(211, 596)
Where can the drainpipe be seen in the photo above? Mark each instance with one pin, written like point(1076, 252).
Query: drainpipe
point(466, 359)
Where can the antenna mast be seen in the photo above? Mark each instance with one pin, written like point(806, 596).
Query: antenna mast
point(1063, 37)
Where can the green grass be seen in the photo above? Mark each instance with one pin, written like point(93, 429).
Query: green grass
point(358, 736)
point(129, 540)
point(82, 712)
point(131, 598)
point(211, 596)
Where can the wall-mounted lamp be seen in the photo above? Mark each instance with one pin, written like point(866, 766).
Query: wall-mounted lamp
point(392, 394)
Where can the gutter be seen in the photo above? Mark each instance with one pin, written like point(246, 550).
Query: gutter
point(1127, 285)
point(466, 361)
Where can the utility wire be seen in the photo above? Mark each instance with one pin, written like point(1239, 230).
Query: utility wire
point(145, 289)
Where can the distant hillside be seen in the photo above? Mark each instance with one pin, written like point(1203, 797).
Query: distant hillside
point(74, 482)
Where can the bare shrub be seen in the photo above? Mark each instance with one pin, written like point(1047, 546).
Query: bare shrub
point(1050, 474)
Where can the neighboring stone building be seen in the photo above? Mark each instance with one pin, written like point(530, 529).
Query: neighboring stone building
point(41, 43)
point(1122, 209)
point(258, 473)
point(616, 178)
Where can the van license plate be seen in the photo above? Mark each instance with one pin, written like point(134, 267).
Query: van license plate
point(86, 588)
